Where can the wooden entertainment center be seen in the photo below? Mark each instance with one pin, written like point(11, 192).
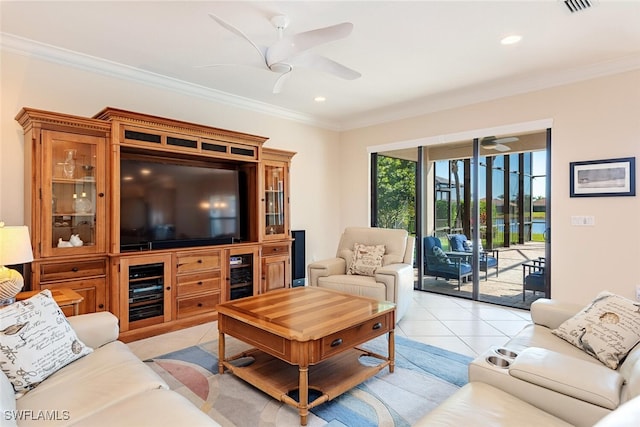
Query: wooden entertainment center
point(73, 207)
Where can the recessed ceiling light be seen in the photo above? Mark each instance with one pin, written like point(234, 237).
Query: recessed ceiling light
point(319, 99)
point(512, 39)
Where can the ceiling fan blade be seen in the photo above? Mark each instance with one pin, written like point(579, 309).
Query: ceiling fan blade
point(238, 32)
point(288, 47)
point(506, 140)
point(277, 87)
point(500, 147)
point(321, 63)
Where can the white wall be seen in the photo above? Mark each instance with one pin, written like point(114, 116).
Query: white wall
point(27, 82)
point(596, 119)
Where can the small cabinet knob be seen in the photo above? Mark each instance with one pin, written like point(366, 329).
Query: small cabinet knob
point(100, 194)
point(377, 326)
point(74, 269)
point(336, 342)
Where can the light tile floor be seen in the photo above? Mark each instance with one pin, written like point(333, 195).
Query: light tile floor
point(455, 324)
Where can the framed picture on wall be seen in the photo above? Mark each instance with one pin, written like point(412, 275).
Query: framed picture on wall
point(603, 178)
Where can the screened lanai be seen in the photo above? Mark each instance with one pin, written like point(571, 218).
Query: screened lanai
point(432, 192)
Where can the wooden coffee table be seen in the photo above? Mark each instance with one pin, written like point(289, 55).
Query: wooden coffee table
point(305, 338)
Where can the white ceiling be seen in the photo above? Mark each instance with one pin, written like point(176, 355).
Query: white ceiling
point(415, 57)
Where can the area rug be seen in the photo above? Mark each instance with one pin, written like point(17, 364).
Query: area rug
point(424, 376)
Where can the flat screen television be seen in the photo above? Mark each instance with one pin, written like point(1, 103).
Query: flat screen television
point(168, 203)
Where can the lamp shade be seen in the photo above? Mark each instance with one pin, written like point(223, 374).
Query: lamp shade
point(15, 245)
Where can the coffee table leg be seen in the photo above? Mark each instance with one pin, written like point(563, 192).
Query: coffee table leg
point(220, 353)
point(303, 392)
point(392, 351)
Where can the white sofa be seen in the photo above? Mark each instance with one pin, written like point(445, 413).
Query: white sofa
point(391, 282)
point(546, 381)
point(108, 387)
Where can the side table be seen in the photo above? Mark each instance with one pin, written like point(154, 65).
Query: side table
point(68, 300)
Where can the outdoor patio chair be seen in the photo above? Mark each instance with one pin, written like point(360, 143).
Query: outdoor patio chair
point(533, 277)
point(438, 264)
point(488, 258)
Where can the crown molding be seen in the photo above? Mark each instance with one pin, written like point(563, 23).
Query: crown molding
point(26, 47)
point(426, 105)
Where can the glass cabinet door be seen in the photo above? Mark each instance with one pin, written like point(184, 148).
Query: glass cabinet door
point(275, 199)
point(73, 194)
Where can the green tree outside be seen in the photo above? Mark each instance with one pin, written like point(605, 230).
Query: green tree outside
point(396, 193)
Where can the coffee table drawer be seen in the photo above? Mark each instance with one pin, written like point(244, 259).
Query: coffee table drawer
point(355, 335)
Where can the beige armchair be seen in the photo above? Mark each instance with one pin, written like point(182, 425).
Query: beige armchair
point(393, 281)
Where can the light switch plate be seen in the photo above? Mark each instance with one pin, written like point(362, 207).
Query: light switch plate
point(583, 220)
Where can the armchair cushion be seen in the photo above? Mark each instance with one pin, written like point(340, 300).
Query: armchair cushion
point(441, 256)
point(607, 329)
point(458, 243)
point(37, 341)
point(366, 259)
point(392, 281)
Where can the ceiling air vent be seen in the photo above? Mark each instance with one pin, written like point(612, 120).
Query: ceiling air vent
point(578, 5)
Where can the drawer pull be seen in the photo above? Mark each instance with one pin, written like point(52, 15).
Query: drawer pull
point(74, 269)
point(377, 326)
point(336, 342)
point(199, 304)
point(200, 283)
point(199, 261)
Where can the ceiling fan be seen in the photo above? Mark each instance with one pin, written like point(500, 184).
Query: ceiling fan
point(290, 52)
point(493, 143)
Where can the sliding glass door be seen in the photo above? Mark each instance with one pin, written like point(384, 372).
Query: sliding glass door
point(482, 202)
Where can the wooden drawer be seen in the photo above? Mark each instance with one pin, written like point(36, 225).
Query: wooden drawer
point(188, 262)
point(72, 270)
point(280, 249)
point(198, 283)
point(355, 335)
point(198, 304)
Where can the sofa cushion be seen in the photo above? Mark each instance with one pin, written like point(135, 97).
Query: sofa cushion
point(607, 329)
point(37, 341)
point(7, 403)
point(157, 408)
point(366, 259)
point(110, 374)
point(586, 381)
point(479, 404)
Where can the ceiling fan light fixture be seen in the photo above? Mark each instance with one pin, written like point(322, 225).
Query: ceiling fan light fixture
point(511, 39)
point(280, 68)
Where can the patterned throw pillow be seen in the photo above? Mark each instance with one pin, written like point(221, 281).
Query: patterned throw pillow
point(36, 340)
point(366, 259)
point(607, 329)
point(441, 256)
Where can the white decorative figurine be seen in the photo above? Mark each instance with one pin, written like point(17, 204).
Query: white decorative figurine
point(64, 243)
point(75, 240)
